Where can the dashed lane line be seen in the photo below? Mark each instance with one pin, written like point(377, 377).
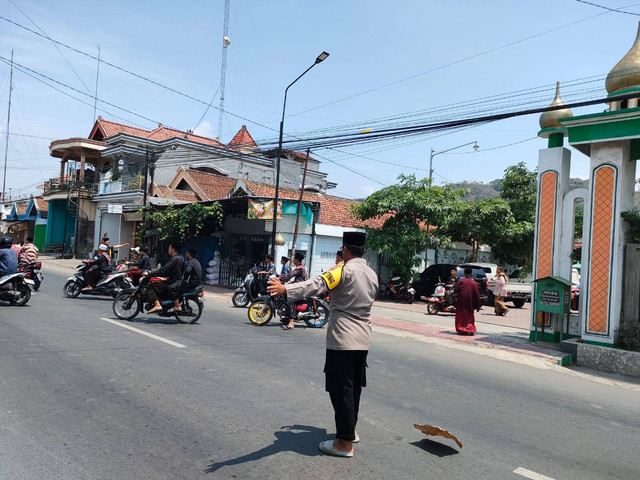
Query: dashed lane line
point(529, 474)
point(142, 332)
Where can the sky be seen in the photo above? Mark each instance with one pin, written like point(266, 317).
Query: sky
point(404, 61)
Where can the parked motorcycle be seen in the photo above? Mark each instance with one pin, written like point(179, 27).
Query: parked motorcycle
point(442, 300)
point(111, 285)
point(33, 271)
point(397, 290)
point(254, 286)
point(15, 288)
point(575, 297)
point(129, 302)
point(313, 311)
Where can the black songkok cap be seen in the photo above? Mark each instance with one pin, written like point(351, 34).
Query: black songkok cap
point(355, 239)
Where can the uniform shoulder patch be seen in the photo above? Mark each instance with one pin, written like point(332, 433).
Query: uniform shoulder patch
point(332, 278)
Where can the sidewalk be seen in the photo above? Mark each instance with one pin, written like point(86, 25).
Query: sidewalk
point(501, 337)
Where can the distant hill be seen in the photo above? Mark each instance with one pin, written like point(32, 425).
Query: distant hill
point(480, 190)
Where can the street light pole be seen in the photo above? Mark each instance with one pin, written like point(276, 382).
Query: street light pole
point(434, 153)
point(319, 59)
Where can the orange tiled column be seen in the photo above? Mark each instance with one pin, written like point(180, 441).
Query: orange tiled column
point(611, 192)
point(553, 184)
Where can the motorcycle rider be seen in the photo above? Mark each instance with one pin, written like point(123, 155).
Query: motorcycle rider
point(100, 268)
point(140, 265)
point(172, 270)
point(191, 278)
point(28, 253)
point(8, 257)
point(284, 261)
point(270, 268)
point(298, 274)
point(450, 286)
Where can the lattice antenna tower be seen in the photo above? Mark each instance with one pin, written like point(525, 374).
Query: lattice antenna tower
point(223, 67)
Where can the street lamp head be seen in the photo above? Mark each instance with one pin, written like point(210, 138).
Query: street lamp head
point(321, 57)
point(476, 147)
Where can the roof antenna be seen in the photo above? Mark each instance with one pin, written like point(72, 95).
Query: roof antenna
point(95, 97)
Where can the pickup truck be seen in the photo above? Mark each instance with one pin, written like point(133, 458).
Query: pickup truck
point(518, 289)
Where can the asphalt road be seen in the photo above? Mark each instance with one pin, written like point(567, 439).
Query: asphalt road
point(84, 398)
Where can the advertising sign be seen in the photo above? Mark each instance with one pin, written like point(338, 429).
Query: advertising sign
point(262, 210)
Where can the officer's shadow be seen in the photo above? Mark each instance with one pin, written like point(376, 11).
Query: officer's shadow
point(301, 439)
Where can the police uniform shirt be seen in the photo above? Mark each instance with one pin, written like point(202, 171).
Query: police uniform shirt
point(352, 288)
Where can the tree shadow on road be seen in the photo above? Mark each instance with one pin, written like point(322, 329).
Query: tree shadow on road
point(435, 448)
point(300, 439)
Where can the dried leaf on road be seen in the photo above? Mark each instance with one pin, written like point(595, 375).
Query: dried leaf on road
point(437, 431)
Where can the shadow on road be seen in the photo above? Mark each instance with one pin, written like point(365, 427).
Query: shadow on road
point(435, 448)
point(301, 439)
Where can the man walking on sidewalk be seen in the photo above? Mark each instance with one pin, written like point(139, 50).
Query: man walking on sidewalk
point(353, 287)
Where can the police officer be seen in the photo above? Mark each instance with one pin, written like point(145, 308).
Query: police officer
point(353, 287)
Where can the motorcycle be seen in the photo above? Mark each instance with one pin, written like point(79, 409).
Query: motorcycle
point(442, 300)
point(15, 288)
point(33, 271)
point(397, 290)
point(575, 297)
point(254, 286)
point(129, 302)
point(110, 285)
point(313, 311)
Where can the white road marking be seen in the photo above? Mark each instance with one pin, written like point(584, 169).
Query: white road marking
point(529, 474)
point(151, 335)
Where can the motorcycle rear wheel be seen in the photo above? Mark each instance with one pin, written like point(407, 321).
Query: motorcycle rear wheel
point(321, 316)
point(433, 309)
point(25, 295)
point(71, 289)
point(240, 299)
point(408, 297)
point(260, 312)
point(126, 307)
point(191, 311)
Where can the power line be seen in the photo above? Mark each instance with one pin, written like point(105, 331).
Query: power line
point(609, 9)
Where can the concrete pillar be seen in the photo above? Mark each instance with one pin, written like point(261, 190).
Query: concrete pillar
point(63, 164)
point(82, 166)
point(611, 192)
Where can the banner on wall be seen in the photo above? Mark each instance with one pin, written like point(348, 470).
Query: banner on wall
point(262, 210)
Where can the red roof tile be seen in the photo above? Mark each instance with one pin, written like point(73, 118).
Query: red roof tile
point(214, 186)
point(243, 137)
point(105, 129)
point(41, 204)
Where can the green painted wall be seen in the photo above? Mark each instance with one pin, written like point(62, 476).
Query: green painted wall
point(56, 217)
point(39, 236)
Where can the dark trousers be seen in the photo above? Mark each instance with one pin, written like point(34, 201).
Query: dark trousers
point(345, 375)
point(157, 291)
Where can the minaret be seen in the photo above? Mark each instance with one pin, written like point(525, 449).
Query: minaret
point(549, 121)
point(551, 256)
point(624, 77)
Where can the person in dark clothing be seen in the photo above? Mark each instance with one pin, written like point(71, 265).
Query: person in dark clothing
point(140, 265)
point(191, 279)
point(100, 268)
point(143, 262)
point(8, 257)
point(172, 270)
point(467, 300)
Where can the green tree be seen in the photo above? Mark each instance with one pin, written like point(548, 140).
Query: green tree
point(518, 188)
point(179, 222)
point(413, 212)
point(480, 223)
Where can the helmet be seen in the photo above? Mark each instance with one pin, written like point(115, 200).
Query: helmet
point(6, 242)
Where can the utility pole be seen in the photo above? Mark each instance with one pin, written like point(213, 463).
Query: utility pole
point(146, 186)
point(223, 68)
point(6, 146)
point(295, 230)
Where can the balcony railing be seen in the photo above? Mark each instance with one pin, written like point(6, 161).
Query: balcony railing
point(55, 185)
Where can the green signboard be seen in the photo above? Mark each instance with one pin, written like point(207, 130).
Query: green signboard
point(553, 295)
